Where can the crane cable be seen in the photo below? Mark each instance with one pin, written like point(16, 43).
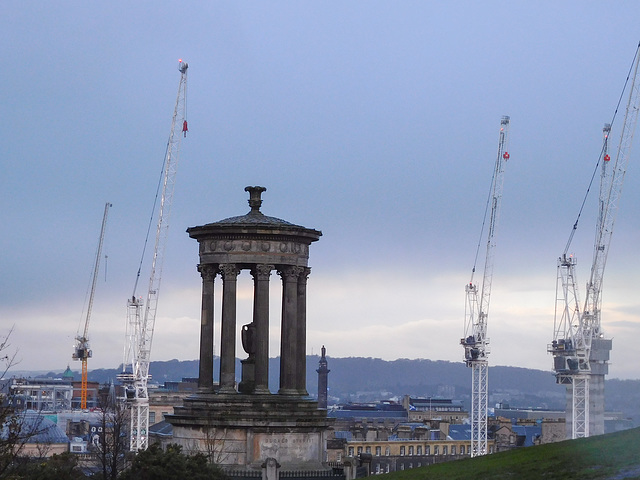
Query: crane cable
point(85, 304)
point(484, 221)
point(595, 170)
point(151, 222)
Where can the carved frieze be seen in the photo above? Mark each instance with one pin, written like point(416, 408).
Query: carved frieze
point(262, 246)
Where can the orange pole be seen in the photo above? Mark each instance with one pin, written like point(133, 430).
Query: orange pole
point(83, 388)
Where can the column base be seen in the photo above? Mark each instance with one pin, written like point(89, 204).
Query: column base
point(289, 392)
point(227, 390)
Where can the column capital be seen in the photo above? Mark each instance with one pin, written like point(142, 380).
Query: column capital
point(229, 271)
point(208, 271)
point(304, 274)
point(290, 272)
point(262, 271)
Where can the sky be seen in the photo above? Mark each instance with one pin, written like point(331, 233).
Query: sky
point(374, 122)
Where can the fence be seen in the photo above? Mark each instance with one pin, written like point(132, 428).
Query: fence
point(249, 474)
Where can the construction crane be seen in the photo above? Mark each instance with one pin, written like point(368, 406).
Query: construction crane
point(82, 350)
point(475, 341)
point(140, 325)
point(579, 347)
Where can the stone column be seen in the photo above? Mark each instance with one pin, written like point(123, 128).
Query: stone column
point(288, 335)
point(301, 332)
point(205, 374)
point(229, 272)
point(261, 275)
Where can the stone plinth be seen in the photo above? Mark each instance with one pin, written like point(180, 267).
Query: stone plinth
point(244, 430)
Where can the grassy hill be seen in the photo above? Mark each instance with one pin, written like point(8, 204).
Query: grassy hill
point(613, 457)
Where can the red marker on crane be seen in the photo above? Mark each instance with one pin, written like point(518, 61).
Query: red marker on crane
point(183, 69)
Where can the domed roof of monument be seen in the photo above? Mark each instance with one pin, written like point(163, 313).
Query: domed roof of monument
point(255, 218)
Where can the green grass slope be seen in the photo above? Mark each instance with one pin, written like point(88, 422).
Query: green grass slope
point(612, 457)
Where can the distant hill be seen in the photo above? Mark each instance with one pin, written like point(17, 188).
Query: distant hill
point(359, 379)
point(604, 457)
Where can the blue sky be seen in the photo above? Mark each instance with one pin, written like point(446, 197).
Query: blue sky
point(374, 122)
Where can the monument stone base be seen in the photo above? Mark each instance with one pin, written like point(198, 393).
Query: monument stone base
point(245, 430)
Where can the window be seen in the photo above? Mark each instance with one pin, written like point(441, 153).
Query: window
point(368, 450)
point(427, 450)
point(461, 449)
point(359, 450)
point(152, 418)
point(411, 450)
point(435, 449)
point(402, 451)
point(445, 450)
point(453, 449)
point(387, 451)
point(419, 450)
point(351, 451)
point(339, 457)
point(378, 451)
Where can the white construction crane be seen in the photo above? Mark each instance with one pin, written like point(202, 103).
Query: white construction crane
point(579, 347)
point(140, 325)
point(82, 351)
point(475, 341)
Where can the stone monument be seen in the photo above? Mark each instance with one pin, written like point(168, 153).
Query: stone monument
point(323, 379)
point(244, 425)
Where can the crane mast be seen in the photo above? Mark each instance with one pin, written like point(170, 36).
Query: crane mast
point(140, 325)
point(579, 347)
point(82, 351)
point(475, 341)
